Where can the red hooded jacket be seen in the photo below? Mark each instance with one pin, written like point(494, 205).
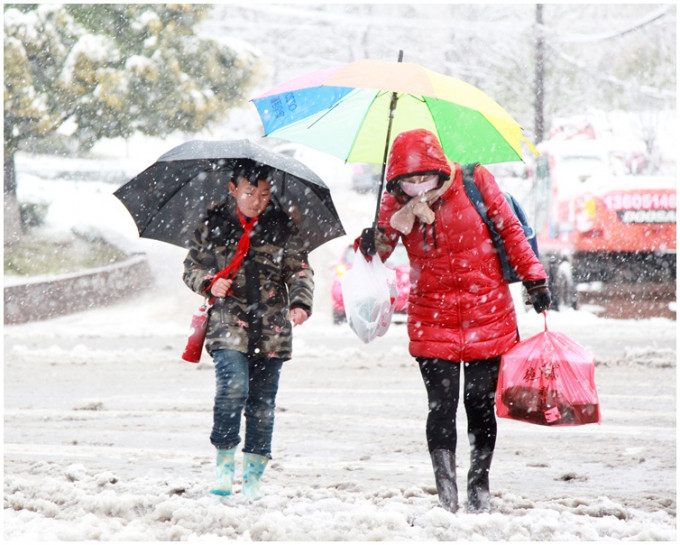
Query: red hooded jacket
point(460, 307)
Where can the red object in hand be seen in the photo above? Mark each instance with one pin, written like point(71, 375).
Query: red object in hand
point(549, 380)
point(199, 327)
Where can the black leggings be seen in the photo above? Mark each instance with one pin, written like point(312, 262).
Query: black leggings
point(442, 381)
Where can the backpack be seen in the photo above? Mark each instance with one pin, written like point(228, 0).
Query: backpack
point(472, 191)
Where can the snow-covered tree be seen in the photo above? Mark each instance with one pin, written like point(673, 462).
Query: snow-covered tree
point(110, 70)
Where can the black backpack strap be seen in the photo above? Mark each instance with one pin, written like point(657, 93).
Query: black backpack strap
point(529, 232)
point(473, 193)
point(476, 199)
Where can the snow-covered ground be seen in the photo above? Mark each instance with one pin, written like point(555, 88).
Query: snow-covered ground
point(106, 429)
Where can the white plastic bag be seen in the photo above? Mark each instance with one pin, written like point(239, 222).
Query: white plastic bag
point(369, 292)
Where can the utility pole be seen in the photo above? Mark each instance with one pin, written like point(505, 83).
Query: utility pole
point(539, 83)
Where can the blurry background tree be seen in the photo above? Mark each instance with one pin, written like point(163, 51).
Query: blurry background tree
point(78, 73)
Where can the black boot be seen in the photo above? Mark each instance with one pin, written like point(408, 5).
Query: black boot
point(444, 465)
point(479, 496)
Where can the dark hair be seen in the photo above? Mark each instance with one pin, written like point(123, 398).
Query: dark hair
point(253, 172)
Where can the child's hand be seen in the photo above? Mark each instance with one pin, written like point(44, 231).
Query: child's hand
point(298, 316)
point(221, 287)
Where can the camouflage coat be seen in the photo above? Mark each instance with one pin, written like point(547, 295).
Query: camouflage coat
point(274, 277)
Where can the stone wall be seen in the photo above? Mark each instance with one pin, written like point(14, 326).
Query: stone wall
point(44, 297)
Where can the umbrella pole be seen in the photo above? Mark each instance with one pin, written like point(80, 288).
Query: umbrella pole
point(393, 106)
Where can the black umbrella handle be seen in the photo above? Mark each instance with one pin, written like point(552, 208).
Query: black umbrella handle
point(393, 107)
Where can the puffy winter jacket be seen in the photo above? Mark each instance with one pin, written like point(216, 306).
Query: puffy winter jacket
point(274, 276)
point(460, 307)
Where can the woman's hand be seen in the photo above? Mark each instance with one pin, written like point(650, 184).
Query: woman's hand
point(221, 287)
point(298, 316)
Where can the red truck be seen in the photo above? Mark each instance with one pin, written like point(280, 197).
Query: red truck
point(594, 225)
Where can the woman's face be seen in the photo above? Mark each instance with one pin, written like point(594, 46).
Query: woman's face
point(418, 185)
point(251, 200)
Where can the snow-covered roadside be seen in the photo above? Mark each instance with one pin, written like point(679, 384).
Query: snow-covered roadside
point(105, 434)
point(106, 438)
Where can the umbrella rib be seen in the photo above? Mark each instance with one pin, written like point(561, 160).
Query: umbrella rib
point(380, 93)
point(328, 111)
point(377, 95)
point(168, 199)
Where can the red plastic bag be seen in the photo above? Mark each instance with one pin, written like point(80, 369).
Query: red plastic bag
point(199, 327)
point(548, 380)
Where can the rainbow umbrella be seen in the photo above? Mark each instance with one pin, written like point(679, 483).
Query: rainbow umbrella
point(349, 110)
point(354, 112)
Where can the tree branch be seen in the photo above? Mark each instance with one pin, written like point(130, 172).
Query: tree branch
point(585, 38)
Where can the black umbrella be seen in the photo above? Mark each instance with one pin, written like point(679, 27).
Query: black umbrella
point(171, 197)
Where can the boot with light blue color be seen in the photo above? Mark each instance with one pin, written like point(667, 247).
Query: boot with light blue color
point(253, 467)
point(225, 472)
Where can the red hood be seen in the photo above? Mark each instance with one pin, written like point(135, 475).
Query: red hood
point(416, 152)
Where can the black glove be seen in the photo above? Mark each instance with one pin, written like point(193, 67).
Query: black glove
point(539, 294)
point(370, 240)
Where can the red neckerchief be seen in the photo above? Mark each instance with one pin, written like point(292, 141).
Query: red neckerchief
point(241, 250)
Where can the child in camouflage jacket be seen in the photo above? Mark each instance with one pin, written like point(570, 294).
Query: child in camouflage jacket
point(250, 328)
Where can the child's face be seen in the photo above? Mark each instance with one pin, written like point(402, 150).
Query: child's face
point(251, 200)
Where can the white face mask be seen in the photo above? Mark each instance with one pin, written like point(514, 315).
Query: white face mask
point(419, 188)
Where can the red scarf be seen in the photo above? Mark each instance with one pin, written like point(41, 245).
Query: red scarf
point(241, 250)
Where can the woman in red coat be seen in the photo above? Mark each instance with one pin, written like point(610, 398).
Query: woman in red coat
point(461, 313)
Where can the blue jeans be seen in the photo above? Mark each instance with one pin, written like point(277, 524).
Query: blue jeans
point(245, 385)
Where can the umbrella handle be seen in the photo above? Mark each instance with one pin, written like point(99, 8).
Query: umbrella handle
point(393, 106)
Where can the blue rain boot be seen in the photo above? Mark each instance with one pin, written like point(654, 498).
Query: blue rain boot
point(253, 467)
point(225, 472)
